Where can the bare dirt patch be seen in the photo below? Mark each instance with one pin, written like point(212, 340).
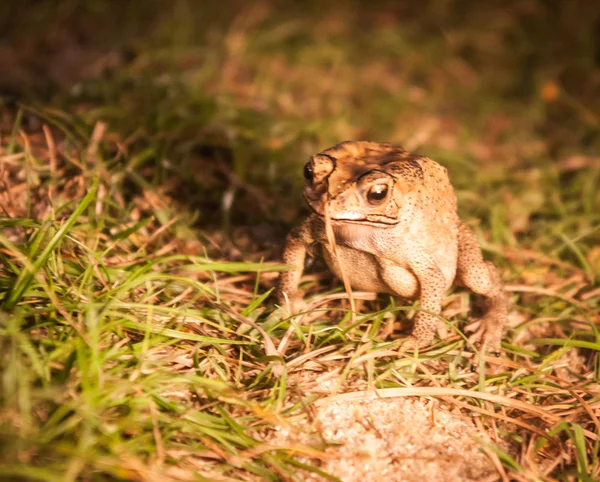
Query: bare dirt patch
point(401, 439)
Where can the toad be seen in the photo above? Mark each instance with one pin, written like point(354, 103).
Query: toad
point(393, 216)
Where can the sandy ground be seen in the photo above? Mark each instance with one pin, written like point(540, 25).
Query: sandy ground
point(393, 439)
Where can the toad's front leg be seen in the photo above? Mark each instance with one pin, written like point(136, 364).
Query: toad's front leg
point(482, 278)
point(429, 283)
point(297, 243)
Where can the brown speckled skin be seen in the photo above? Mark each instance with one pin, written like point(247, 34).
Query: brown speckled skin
point(410, 244)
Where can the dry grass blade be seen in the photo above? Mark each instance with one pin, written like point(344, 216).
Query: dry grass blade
point(331, 240)
point(549, 292)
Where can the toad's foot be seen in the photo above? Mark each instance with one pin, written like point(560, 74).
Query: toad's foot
point(412, 343)
point(485, 332)
point(293, 305)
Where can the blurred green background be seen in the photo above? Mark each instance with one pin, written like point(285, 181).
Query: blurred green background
point(231, 97)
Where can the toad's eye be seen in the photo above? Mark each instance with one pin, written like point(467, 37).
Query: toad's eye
point(308, 172)
point(377, 193)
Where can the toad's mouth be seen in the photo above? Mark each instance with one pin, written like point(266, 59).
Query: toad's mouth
point(378, 222)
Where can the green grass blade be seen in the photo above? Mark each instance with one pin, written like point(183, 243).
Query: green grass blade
point(180, 335)
point(566, 343)
point(26, 275)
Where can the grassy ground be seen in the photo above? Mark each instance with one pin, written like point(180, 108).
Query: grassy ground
point(146, 191)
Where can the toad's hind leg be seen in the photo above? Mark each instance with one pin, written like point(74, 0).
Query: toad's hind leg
point(482, 278)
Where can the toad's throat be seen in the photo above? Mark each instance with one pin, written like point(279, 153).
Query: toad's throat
point(355, 235)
